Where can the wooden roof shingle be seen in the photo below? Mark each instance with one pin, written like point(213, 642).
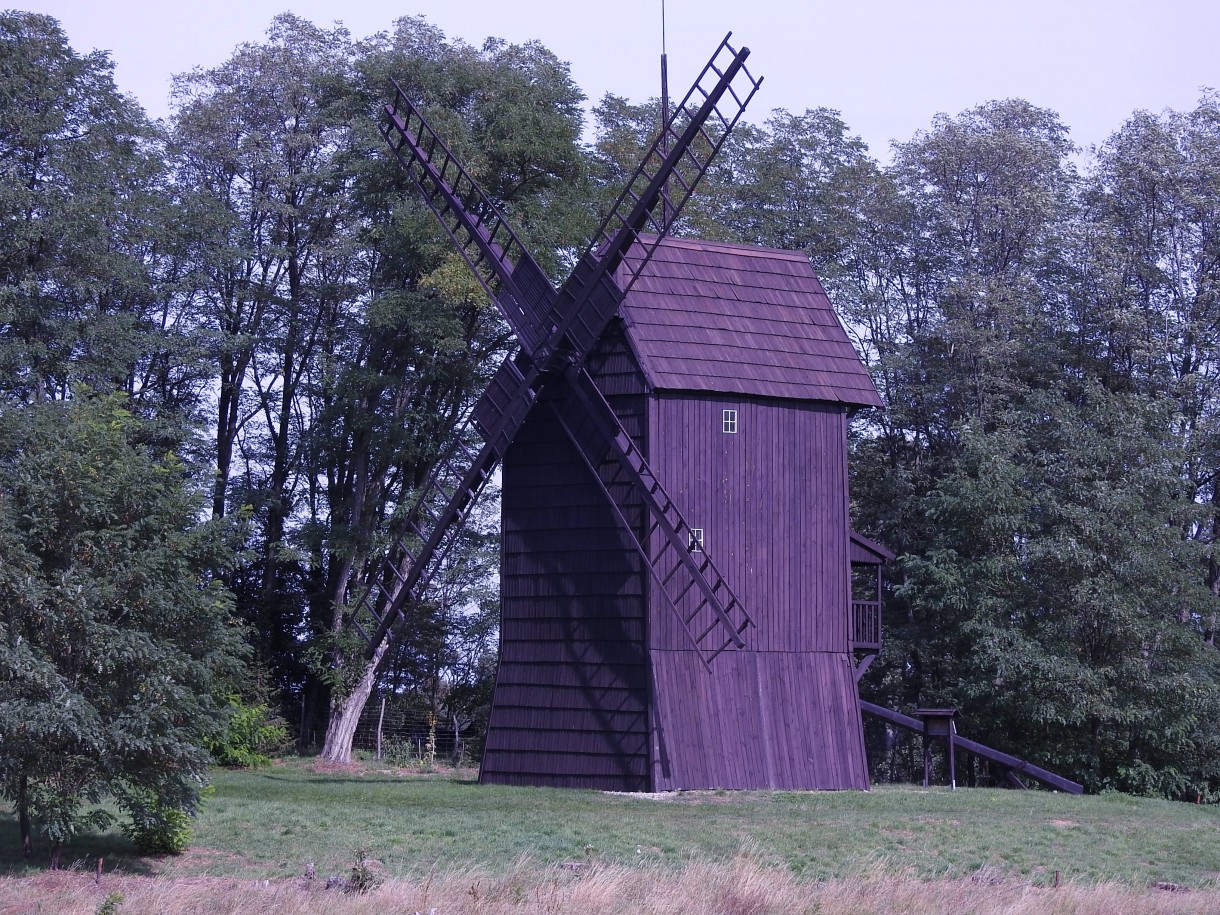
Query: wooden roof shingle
point(739, 319)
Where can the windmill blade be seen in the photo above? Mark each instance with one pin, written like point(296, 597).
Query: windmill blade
point(483, 237)
point(708, 611)
point(557, 329)
point(433, 526)
point(680, 156)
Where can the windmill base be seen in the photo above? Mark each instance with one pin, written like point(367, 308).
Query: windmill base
point(759, 720)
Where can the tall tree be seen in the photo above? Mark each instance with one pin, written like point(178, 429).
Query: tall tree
point(1146, 312)
point(259, 137)
point(89, 256)
point(1061, 581)
point(351, 339)
point(1029, 342)
point(429, 339)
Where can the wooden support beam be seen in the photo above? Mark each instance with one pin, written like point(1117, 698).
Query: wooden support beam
point(865, 663)
point(1015, 764)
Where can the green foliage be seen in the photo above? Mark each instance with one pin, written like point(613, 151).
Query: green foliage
point(251, 736)
point(115, 635)
point(353, 312)
point(90, 240)
point(1061, 580)
point(363, 878)
point(1045, 463)
point(110, 905)
point(405, 753)
point(161, 831)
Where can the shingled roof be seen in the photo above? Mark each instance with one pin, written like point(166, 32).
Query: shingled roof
point(738, 319)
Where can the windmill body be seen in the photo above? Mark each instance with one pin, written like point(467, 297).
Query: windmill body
point(663, 381)
point(728, 368)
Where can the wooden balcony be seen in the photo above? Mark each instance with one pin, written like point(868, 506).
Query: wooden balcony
point(866, 625)
point(867, 558)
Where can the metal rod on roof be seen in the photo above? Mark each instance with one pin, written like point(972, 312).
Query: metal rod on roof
point(666, 205)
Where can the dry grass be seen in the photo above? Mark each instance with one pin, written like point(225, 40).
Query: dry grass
point(739, 887)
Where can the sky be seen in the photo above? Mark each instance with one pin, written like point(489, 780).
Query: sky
point(888, 66)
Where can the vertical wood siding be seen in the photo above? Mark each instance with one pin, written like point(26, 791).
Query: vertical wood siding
point(763, 719)
point(772, 502)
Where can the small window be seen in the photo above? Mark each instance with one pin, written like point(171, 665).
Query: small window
point(730, 422)
point(694, 540)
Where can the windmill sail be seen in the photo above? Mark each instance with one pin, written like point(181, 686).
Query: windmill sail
point(558, 329)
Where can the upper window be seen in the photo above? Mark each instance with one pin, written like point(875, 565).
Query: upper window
point(694, 540)
point(729, 420)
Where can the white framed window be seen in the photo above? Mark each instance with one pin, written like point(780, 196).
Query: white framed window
point(729, 422)
point(694, 540)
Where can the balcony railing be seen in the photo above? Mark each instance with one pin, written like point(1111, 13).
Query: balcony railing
point(866, 625)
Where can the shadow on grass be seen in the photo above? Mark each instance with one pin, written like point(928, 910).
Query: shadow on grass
point(313, 779)
point(82, 853)
point(371, 778)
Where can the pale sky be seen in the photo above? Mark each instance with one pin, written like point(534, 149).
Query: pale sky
point(887, 66)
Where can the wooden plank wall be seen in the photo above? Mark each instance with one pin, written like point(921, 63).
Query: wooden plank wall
point(570, 707)
point(772, 502)
point(762, 719)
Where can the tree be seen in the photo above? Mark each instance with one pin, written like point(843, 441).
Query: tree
point(258, 138)
point(1068, 603)
point(352, 340)
point(405, 377)
point(1146, 311)
point(89, 254)
point(1045, 350)
point(115, 635)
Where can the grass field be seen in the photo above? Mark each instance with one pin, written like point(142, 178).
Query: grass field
point(269, 825)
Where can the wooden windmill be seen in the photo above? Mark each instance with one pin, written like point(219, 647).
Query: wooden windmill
point(670, 401)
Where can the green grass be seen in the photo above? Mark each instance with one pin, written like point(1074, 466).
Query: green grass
point(269, 823)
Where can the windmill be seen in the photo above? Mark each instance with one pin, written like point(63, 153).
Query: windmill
point(626, 656)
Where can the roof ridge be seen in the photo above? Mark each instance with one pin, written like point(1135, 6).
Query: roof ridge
point(746, 250)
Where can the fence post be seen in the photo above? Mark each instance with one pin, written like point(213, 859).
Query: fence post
point(380, 719)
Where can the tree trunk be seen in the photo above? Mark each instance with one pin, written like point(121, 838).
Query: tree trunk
point(23, 817)
point(57, 848)
point(345, 711)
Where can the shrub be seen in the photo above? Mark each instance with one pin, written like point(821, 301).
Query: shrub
point(162, 831)
point(404, 753)
point(364, 878)
point(253, 733)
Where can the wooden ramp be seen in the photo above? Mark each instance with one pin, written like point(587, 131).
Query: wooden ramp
point(1014, 766)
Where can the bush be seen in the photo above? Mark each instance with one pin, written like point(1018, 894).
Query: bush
point(364, 878)
point(253, 734)
point(164, 831)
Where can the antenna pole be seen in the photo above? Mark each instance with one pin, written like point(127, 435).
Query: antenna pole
point(666, 205)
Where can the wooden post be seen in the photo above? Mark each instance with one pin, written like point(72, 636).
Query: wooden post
point(952, 741)
point(939, 722)
point(380, 719)
point(927, 755)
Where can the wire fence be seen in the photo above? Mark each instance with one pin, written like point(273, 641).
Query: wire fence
point(413, 737)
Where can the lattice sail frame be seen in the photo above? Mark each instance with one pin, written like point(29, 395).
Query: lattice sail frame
point(557, 329)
